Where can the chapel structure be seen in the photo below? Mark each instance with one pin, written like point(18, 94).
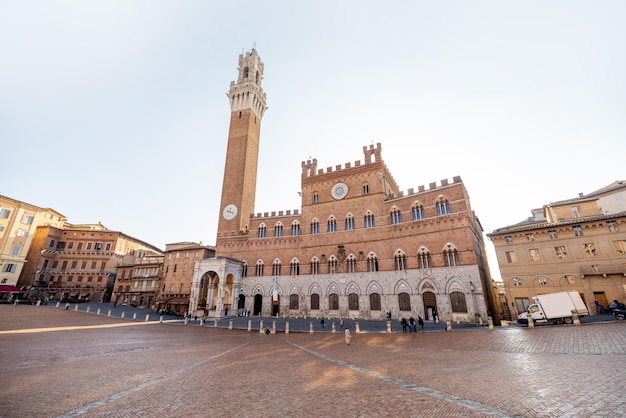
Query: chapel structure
point(359, 246)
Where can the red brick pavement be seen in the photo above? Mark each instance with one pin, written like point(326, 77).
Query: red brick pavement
point(147, 369)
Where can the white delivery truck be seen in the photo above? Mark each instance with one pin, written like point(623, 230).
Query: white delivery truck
point(558, 308)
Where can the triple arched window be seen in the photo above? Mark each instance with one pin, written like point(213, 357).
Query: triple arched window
point(417, 211)
point(315, 266)
point(294, 267)
point(368, 220)
point(443, 206)
point(396, 216)
point(295, 228)
point(349, 222)
point(278, 230)
point(372, 262)
point(261, 231)
point(259, 268)
point(315, 226)
point(450, 256)
point(423, 258)
point(332, 224)
point(399, 260)
point(276, 265)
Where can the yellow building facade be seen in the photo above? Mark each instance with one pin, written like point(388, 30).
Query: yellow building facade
point(576, 244)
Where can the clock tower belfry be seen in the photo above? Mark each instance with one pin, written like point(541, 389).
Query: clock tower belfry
point(247, 106)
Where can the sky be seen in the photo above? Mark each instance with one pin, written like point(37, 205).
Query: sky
point(116, 111)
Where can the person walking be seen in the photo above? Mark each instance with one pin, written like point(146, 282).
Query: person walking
point(322, 323)
point(403, 323)
point(420, 322)
point(412, 324)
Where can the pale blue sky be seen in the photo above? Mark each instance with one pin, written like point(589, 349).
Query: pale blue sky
point(115, 111)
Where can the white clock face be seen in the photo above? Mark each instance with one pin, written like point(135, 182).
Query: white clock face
point(230, 211)
point(339, 191)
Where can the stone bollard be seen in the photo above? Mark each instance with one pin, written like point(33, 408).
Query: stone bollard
point(67, 306)
point(38, 303)
point(160, 319)
point(230, 324)
point(531, 323)
point(576, 319)
point(448, 326)
point(490, 321)
point(287, 327)
point(186, 320)
point(261, 327)
point(134, 316)
point(15, 303)
point(76, 307)
point(333, 328)
point(147, 317)
point(215, 322)
point(249, 324)
point(348, 337)
point(389, 327)
point(98, 312)
point(58, 303)
point(358, 328)
point(201, 322)
point(311, 327)
point(273, 327)
point(122, 315)
point(88, 309)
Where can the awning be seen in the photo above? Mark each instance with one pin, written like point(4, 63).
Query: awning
point(10, 289)
point(175, 301)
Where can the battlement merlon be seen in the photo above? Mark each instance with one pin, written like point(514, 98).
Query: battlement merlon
point(372, 151)
point(309, 167)
point(372, 155)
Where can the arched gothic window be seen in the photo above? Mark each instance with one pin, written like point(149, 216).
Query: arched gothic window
point(276, 265)
point(423, 258)
point(333, 301)
point(315, 226)
point(294, 301)
point(332, 224)
point(404, 301)
point(372, 262)
point(315, 301)
point(417, 211)
point(369, 220)
point(261, 231)
point(244, 269)
point(400, 260)
point(349, 222)
point(396, 216)
point(259, 268)
point(332, 265)
point(353, 302)
point(457, 300)
point(294, 267)
point(443, 206)
point(315, 266)
point(295, 228)
point(450, 256)
point(351, 263)
point(375, 302)
point(278, 230)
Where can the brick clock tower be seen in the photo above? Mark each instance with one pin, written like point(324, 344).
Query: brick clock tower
point(247, 105)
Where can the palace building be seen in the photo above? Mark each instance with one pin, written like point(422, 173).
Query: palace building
point(359, 247)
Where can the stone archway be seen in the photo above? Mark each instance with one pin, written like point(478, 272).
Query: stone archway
point(430, 305)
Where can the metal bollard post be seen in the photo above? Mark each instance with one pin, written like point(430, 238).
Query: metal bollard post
point(490, 321)
point(311, 327)
point(448, 325)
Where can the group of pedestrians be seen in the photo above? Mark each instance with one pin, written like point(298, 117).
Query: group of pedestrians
point(411, 324)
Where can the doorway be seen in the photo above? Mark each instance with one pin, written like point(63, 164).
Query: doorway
point(258, 304)
point(430, 305)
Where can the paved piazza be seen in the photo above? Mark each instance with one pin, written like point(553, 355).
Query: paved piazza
point(65, 363)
